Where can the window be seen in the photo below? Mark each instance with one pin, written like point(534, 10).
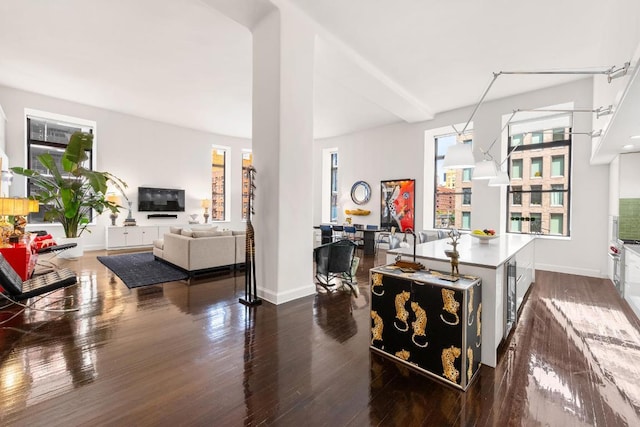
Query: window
point(536, 194)
point(466, 220)
point(537, 137)
point(535, 223)
point(452, 187)
point(218, 183)
point(557, 166)
point(555, 224)
point(536, 167)
point(557, 195)
point(516, 169)
point(50, 133)
point(516, 222)
point(247, 160)
point(466, 196)
point(545, 148)
point(516, 195)
point(334, 187)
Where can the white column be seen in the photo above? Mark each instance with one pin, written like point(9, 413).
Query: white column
point(283, 54)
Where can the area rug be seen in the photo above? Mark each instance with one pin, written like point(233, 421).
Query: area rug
point(141, 269)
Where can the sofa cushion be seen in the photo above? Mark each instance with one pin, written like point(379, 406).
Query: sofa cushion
point(187, 233)
point(204, 227)
point(239, 232)
point(198, 234)
point(226, 233)
point(175, 230)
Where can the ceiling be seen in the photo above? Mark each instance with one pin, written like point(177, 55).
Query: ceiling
point(377, 63)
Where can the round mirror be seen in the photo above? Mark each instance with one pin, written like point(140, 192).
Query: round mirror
point(360, 193)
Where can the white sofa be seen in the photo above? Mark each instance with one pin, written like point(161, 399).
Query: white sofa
point(199, 250)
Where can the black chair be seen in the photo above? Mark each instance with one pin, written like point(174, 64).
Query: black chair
point(16, 290)
point(351, 233)
point(335, 260)
point(326, 233)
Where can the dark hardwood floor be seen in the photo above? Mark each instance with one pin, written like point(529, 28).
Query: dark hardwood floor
point(192, 355)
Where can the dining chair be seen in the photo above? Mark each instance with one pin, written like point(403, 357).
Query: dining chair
point(350, 233)
point(338, 232)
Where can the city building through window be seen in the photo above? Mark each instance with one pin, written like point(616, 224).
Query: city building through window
point(539, 161)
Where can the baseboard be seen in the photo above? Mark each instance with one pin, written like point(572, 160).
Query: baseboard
point(282, 297)
point(570, 270)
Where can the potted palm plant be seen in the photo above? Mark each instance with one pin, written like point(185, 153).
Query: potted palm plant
point(70, 195)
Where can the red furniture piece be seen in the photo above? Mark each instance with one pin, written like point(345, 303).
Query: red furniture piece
point(21, 258)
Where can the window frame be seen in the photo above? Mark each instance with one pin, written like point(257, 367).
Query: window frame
point(443, 220)
point(225, 184)
point(546, 151)
point(245, 182)
point(55, 148)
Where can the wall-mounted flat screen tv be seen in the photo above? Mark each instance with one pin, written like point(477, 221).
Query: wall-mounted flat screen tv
point(151, 199)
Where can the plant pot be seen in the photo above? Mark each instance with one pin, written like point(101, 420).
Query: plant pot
point(72, 253)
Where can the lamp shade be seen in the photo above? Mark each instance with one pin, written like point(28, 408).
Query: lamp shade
point(499, 180)
point(114, 198)
point(34, 206)
point(14, 206)
point(485, 169)
point(459, 156)
point(205, 203)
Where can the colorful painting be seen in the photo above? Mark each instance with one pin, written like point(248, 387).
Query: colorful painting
point(397, 204)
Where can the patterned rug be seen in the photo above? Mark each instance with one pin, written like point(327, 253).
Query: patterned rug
point(141, 269)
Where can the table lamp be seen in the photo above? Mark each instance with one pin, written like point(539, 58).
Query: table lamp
point(205, 204)
point(115, 199)
point(12, 207)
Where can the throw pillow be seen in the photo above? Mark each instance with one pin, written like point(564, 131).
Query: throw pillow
point(198, 234)
point(175, 230)
point(187, 233)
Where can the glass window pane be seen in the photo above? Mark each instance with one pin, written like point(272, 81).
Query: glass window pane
point(536, 194)
point(555, 225)
point(452, 190)
point(557, 196)
point(537, 137)
point(516, 195)
point(557, 166)
point(333, 214)
point(516, 168)
point(516, 223)
point(218, 188)
point(536, 167)
point(247, 160)
point(466, 196)
point(466, 220)
point(535, 223)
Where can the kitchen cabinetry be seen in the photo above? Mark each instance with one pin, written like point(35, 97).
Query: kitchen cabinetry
point(486, 261)
point(632, 277)
point(131, 236)
point(428, 323)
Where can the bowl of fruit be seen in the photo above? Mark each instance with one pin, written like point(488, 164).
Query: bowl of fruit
point(484, 235)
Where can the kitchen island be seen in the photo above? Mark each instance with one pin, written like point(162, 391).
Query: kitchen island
point(506, 267)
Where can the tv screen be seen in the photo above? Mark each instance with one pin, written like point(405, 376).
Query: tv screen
point(160, 200)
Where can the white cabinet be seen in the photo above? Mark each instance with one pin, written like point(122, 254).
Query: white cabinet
point(132, 236)
point(632, 279)
point(525, 271)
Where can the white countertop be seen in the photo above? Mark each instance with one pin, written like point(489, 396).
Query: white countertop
point(491, 254)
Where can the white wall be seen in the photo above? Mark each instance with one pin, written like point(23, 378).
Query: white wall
point(139, 151)
point(397, 151)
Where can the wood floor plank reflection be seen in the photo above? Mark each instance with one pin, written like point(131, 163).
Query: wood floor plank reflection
point(173, 354)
